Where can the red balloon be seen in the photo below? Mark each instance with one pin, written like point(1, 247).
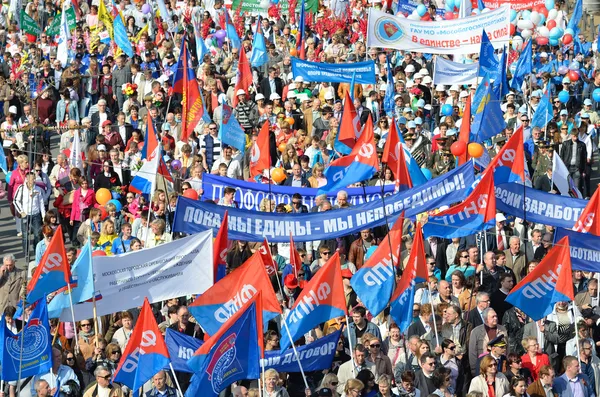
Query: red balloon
point(103, 213)
point(191, 194)
point(426, 17)
point(551, 24)
point(573, 75)
point(567, 39)
point(542, 40)
point(543, 10)
point(513, 29)
point(448, 15)
point(458, 148)
point(98, 253)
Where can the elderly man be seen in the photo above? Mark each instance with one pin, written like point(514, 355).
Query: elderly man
point(515, 259)
point(60, 173)
point(160, 388)
point(12, 282)
point(481, 336)
point(42, 388)
point(120, 76)
point(61, 375)
point(103, 386)
point(342, 200)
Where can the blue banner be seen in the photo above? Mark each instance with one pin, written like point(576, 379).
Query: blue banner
point(35, 350)
point(193, 216)
point(334, 73)
point(248, 195)
point(584, 249)
point(121, 38)
point(315, 356)
point(541, 207)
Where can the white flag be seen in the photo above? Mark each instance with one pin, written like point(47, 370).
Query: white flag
point(75, 158)
point(561, 178)
point(62, 54)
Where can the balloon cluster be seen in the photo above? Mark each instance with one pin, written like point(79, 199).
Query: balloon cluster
point(451, 11)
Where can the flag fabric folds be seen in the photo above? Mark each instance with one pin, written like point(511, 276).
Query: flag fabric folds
point(550, 282)
point(120, 36)
point(260, 155)
point(259, 48)
point(82, 289)
point(231, 32)
point(489, 119)
point(523, 67)
point(230, 131)
point(36, 346)
point(220, 248)
point(350, 127)
point(360, 165)
point(233, 353)
point(146, 352)
point(562, 179)
point(53, 271)
point(488, 62)
point(476, 213)
point(184, 82)
point(243, 76)
point(464, 134)
point(509, 164)
point(544, 113)
point(213, 308)
point(321, 299)
point(401, 304)
point(374, 282)
point(587, 222)
point(388, 101)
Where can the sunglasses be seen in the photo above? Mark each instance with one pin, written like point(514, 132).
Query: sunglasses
point(451, 347)
point(464, 256)
point(70, 358)
point(107, 377)
point(86, 325)
point(325, 253)
point(376, 345)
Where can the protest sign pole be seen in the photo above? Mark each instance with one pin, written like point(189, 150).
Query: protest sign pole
point(24, 298)
point(260, 386)
point(350, 345)
point(73, 315)
point(287, 329)
point(175, 379)
point(437, 338)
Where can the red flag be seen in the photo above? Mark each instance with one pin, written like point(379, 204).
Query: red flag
point(393, 156)
point(465, 131)
point(295, 259)
point(403, 179)
point(416, 267)
point(349, 130)
point(587, 222)
point(512, 155)
point(260, 158)
point(145, 354)
point(220, 250)
point(267, 257)
point(53, 271)
point(244, 76)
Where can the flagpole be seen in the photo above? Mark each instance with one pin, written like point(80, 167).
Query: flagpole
point(350, 345)
point(260, 387)
point(73, 313)
point(152, 188)
point(287, 329)
point(437, 338)
point(24, 285)
point(95, 314)
point(576, 334)
point(175, 379)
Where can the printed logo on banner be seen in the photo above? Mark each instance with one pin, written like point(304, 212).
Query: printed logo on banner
point(223, 364)
point(34, 345)
point(388, 30)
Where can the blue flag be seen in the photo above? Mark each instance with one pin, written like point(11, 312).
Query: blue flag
point(523, 68)
point(231, 32)
point(37, 346)
point(543, 114)
point(259, 49)
point(388, 100)
point(502, 80)
point(120, 34)
point(231, 354)
point(352, 85)
point(181, 348)
point(83, 288)
point(488, 63)
point(489, 120)
point(3, 165)
point(480, 93)
point(598, 41)
point(231, 133)
point(575, 17)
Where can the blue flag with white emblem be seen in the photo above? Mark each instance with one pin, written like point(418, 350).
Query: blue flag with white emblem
point(488, 63)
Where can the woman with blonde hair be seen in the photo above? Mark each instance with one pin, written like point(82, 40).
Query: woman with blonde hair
point(490, 382)
point(17, 178)
point(107, 236)
point(266, 205)
point(353, 388)
point(317, 178)
point(330, 381)
point(270, 382)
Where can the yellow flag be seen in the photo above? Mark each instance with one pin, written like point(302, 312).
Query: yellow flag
point(104, 16)
point(138, 36)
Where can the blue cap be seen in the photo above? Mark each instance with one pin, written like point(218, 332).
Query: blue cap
point(411, 124)
point(418, 121)
point(421, 103)
point(402, 120)
point(451, 132)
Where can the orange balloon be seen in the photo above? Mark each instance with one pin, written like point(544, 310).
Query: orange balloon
point(278, 175)
point(290, 120)
point(282, 147)
point(293, 52)
point(191, 194)
point(475, 150)
point(103, 196)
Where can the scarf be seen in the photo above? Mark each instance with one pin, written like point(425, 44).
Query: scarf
point(86, 336)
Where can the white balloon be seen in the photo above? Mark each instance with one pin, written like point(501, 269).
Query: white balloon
point(526, 33)
point(414, 16)
point(485, 10)
point(535, 17)
point(525, 24)
point(517, 43)
point(552, 14)
point(543, 31)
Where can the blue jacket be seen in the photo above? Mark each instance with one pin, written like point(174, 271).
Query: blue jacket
point(371, 328)
point(562, 387)
point(169, 392)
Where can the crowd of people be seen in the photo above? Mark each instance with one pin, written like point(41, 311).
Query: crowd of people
point(465, 339)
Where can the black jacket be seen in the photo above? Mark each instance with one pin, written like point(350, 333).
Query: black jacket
point(567, 150)
point(303, 181)
point(265, 87)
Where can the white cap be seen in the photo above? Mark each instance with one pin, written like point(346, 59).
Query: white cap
point(409, 68)
point(12, 109)
point(299, 79)
point(291, 94)
point(463, 94)
point(383, 87)
point(424, 72)
point(258, 97)
point(328, 95)
point(292, 87)
point(101, 147)
point(454, 88)
point(427, 80)
point(274, 96)
point(440, 88)
point(500, 217)
point(240, 92)
point(544, 55)
point(410, 84)
point(418, 76)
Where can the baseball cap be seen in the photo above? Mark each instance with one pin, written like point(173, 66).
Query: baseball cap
point(240, 92)
point(101, 148)
point(418, 121)
point(500, 217)
point(411, 124)
point(587, 102)
point(564, 112)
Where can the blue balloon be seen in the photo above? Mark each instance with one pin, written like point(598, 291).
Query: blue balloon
point(574, 66)
point(525, 15)
point(117, 204)
point(569, 31)
point(447, 110)
point(426, 173)
point(596, 95)
point(513, 15)
point(555, 33)
point(563, 96)
point(8, 174)
point(553, 42)
point(449, 5)
point(542, 20)
point(421, 10)
point(549, 4)
point(275, 1)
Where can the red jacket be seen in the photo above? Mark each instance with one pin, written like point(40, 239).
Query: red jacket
point(88, 202)
point(541, 360)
